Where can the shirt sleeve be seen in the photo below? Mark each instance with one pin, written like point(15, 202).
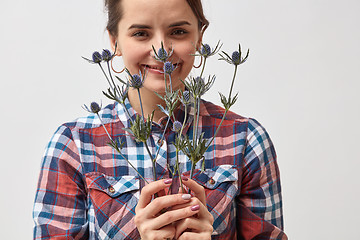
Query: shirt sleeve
point(60, 202)
point(259, 205)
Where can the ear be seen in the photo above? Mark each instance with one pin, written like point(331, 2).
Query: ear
point(198, 44)
point(113, 43)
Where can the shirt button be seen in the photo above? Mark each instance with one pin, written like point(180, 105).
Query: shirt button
point(111, 189)
point(212, 181)
point(160, 142)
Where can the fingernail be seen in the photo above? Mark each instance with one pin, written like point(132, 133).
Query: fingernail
point(184, 178)
point(168, 181)
point(195, 208)
point(186, 196)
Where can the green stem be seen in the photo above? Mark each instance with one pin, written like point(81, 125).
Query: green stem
point(192, 171)
point(203, 67)
point(141, 106)
point(232, 83)
point(161, 139)
point(153, 161)
point(112, 80)
point(107, 78)
point(178, 170)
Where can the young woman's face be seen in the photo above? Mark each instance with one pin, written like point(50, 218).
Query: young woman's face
point(148, 23)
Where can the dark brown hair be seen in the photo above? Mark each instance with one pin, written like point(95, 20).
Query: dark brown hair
point(114, 10)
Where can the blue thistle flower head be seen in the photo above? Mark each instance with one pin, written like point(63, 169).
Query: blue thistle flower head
point(94, 107)
point(168, 67)
point(186, 95)
point(199, 81)
point(177, 126)
point(236, 58)
point(205, 50)
point(106, 55)
point(136, 81)
point(162, 54)
point(96, 57)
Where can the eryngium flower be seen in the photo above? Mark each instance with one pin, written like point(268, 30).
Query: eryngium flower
point(168, 67)
point(186, 96)
point(136, 80)
point(94, 108)
point(236, 58)
point(177, 126)
point(106, 55)
point(197, 86)
point(206, 51)
point(162, 55)
point(96, 57)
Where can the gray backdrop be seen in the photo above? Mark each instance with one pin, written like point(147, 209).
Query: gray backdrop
point(301, 83)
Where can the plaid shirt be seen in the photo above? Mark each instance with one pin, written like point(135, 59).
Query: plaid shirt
point(86, 190)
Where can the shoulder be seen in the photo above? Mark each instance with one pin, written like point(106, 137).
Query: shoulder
point(90, 121)
point(252, 128)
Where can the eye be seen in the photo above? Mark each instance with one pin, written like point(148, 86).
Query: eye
point(179, 32)
point(140, 34)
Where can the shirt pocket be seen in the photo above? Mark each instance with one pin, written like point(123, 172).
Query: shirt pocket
point(221, 188)
point(112, 202)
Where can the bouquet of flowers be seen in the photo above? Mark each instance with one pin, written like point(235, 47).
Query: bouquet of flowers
point(195, 146)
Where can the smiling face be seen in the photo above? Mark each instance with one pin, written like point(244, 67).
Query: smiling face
point(147, 23)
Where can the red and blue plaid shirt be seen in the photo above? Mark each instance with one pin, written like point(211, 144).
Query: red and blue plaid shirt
point(87, 190)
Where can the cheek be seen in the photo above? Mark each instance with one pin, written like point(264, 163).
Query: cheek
point(185, 52)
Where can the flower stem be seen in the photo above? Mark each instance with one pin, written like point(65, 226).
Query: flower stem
point(162, 138)
point(141, 106)
point(107, 78)
point(112, 80)
point(203, 67)
point(232, 83)
point(152, 161)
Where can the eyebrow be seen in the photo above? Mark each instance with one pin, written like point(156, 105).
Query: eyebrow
point(181, 23)
point(142, 26)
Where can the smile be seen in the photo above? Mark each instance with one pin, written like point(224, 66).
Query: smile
point(157, 68)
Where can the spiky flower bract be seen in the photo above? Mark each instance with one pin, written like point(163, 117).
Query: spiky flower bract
point(135, 80)
point(161, 54)
point(94, 108)
point(236, 57)
point(197, 86)
point(207, 51)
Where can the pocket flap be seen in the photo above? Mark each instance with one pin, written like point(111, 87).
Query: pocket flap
point(113, 186)
point(212, 178)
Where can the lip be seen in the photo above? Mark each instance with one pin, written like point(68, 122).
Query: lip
point(156, 69)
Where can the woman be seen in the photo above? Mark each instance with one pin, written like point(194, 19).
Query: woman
point(86, 191)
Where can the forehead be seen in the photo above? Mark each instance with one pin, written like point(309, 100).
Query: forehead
point(156, 11)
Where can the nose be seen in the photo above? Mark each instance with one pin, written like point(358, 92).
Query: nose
point(159, 41)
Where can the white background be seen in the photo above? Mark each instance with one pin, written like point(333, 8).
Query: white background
point(301, 82)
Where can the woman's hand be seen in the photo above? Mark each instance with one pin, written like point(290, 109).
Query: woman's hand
point(199, 226)
point(151, 220)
